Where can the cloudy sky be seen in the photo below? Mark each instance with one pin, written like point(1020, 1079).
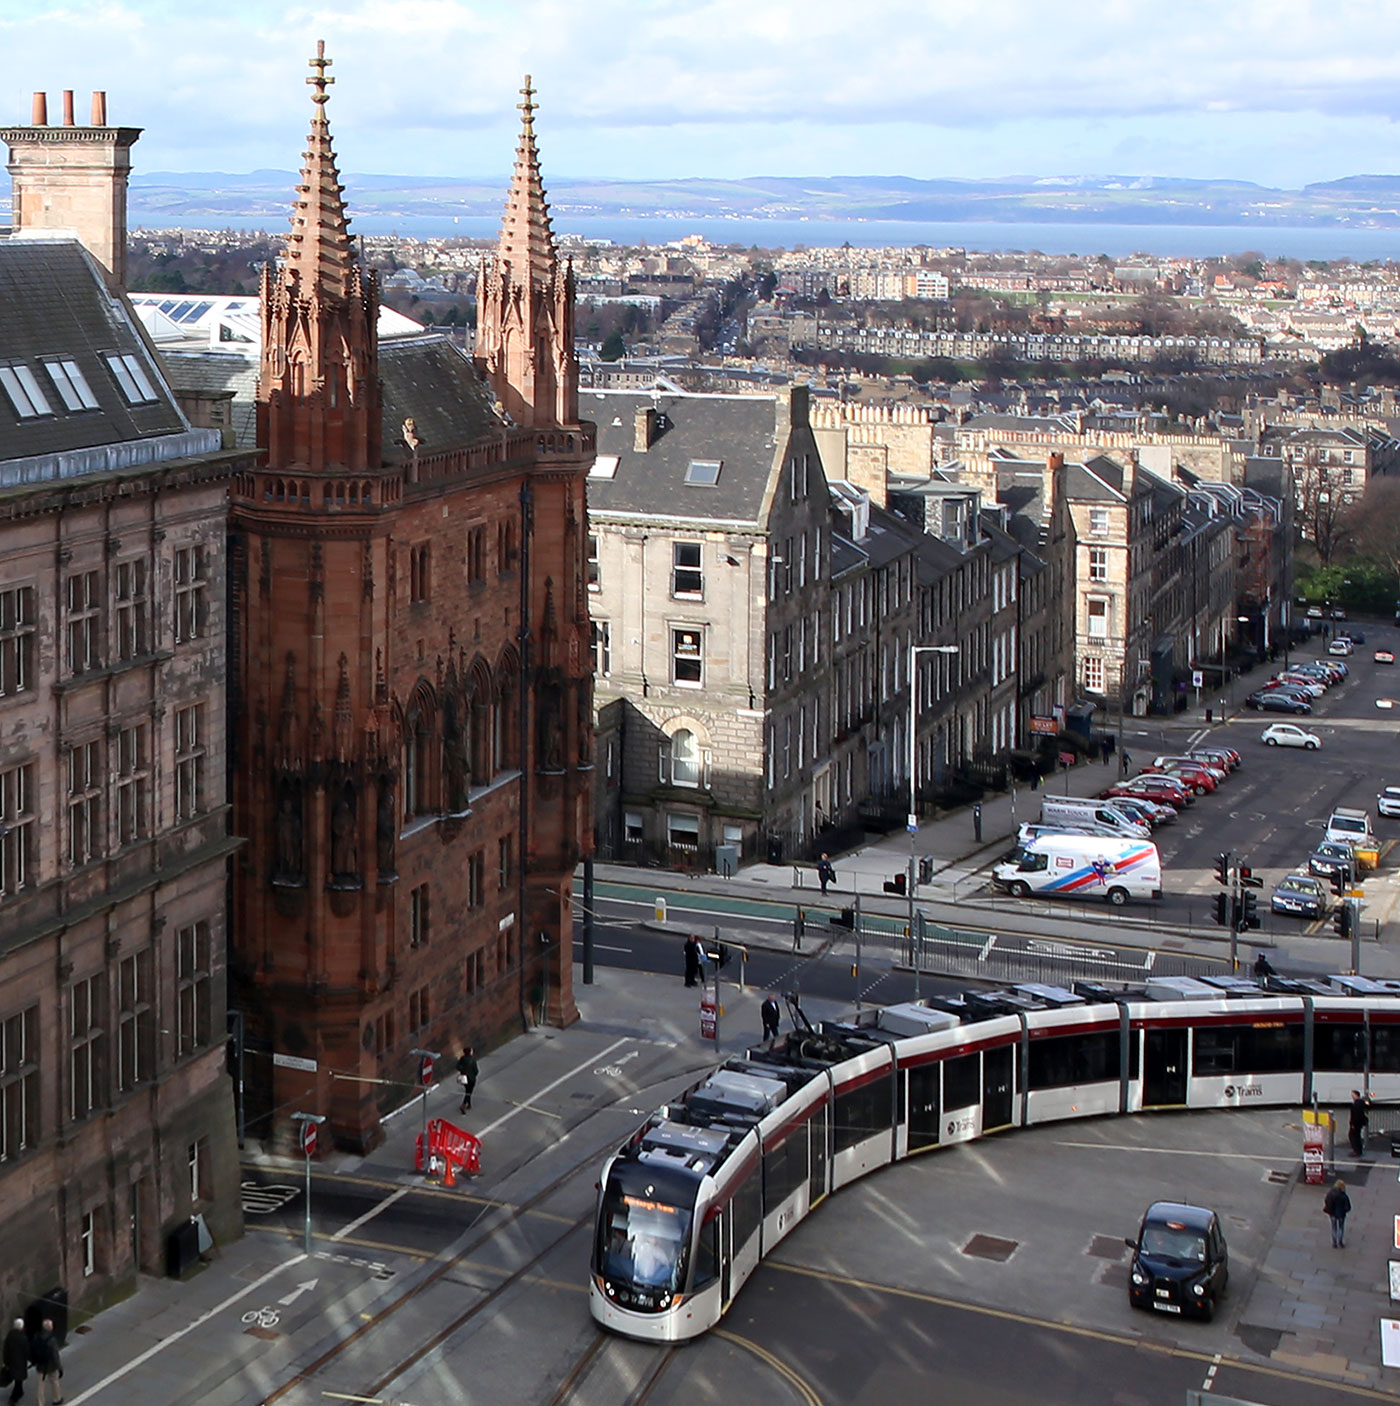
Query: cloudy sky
point(1276, 91)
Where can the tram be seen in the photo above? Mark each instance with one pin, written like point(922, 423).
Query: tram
point(709, 1184)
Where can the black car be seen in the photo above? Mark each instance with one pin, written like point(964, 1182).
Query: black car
point(1302, 894)
point(1180, 1261)
point(1275, 700)
point(1332, 857)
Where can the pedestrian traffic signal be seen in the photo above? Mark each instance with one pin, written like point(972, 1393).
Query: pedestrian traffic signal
point(1341, 920)
point(1341, 881)
point(1222, 870)
point(1249, 912)
point(1222, 909)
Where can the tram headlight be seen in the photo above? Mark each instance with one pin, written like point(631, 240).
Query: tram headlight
point(608, 1289)
point(664, 1301)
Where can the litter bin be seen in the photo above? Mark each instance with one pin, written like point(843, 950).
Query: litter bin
point(775, 849)
point(726, 860)
point(1209, 716)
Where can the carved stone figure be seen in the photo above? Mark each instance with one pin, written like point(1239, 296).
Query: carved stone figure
point(287, 867)
point(385, 827)
point(345, 853)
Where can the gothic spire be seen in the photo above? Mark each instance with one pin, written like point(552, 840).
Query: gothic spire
point(319, 248)
point(526, 245)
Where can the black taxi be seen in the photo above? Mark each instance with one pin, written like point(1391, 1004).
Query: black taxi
point(1180, 1261)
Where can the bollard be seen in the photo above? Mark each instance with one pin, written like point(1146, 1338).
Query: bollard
point(660, 910)
point(1209, 718)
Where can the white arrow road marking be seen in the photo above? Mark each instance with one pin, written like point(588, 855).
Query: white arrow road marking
point(303, 1288)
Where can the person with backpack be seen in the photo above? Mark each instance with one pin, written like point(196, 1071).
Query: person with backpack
point(43, 1354)
point(1337, 1204)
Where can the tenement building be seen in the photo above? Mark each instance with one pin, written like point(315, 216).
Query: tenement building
point(413, 700)
point(116, 1113)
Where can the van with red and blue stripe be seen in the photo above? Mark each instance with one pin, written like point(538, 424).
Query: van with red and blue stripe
point(1081, 866)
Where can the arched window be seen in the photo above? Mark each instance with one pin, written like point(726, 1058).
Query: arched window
point(686, 762)
point(417, 763)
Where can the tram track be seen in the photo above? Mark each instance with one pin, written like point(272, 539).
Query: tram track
point(602, 1353)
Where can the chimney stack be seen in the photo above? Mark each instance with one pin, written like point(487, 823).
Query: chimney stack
point(644, 429)
point(73, 180)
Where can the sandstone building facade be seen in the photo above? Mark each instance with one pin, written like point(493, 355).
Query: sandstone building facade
point(413, 702)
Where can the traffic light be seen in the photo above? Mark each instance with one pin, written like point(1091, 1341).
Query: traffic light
point(1222, 871)
point(1341, 920)
point(1222, 909)
point(1249, 912)
point(1341, 881)
point(1248, 878)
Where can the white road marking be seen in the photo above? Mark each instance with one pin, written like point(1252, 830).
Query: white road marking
point(562, 1079)
point(165, 1342)
point(370, 1214)
point(601, 946)
point(305, 1287)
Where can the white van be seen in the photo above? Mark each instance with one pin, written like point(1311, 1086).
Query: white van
point(1095, 817)
point(1082, 866)
point(1350, 824)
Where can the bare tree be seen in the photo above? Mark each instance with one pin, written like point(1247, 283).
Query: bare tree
point(1324, 515)
point(1377, 522)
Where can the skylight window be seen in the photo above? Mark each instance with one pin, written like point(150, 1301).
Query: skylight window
point(131, 377)
point(703, 471)
point(71, 385)
point(604, 466)
point(22, 387)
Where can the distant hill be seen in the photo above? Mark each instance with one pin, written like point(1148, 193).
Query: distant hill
point(1362, 201)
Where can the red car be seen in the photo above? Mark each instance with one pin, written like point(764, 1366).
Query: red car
point(1196, 779)
point(1154, 788)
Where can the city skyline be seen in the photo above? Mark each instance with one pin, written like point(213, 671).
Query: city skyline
point(723, 90)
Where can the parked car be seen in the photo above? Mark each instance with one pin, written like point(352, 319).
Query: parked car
point(1332, 857)
point(1164, 763)
point(1354, 635)
point(1288, 735)
point(1142, 810)
point(1338, 613)
point(1388, 801)
point(1222, 761)
point(1300, 894)
point(1273, 701)
point(1340, 647)
point(1165, 789)
point(1299, 683)
point(1180, 1262)
point(1384, 656)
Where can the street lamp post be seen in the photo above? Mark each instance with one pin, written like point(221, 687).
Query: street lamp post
point(914, 651)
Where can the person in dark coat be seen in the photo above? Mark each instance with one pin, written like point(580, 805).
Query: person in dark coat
point(1356, 1125)
point(467, 1070)
point(15, 1356)
point(1262, 967)
point(826, 874)
point(43, 1353)
point(1337, 1203)
point(694, 967)
point(770, 1014)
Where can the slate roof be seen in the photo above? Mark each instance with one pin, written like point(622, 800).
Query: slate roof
point(739, 431)
point(54, 303)
point(428, 379)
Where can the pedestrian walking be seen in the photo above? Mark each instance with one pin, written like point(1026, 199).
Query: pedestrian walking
point(825, 873)
point(43, 1353)
point(694, 963)
point(467, 1070)
point(1337, 1203)
point(14, 1358)
point(1358, 1122)
point(770, 1014)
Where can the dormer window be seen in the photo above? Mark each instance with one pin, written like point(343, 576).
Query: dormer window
point(23, 389)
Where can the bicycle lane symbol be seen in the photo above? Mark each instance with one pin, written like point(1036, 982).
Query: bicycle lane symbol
point(614, 1070)
point(265, 1317)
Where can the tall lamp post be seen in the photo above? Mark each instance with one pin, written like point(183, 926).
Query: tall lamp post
point(914, 651)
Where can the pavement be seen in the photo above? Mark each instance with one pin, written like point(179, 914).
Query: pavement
point(245, 1320)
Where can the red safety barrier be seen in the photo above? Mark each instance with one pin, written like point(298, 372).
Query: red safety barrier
point(454, 1147)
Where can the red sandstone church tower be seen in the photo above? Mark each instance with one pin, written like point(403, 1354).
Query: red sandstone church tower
point(413, 704)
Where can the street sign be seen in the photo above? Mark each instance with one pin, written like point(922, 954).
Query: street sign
point(425, 1071)
point(707, 1018)
point(1390, 1342)
point(1314, 1146)
point(308, 1139)
point(286, 1061)
point(1197, 679)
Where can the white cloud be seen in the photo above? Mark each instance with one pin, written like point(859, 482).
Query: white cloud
point(1289, 89)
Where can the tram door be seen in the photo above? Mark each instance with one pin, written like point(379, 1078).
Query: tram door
point(924, 1111)
point(1164, 1068)
point(726, 1255)
point(816, 1174)
point(996, 1087)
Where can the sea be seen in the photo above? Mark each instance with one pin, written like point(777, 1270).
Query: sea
point(1326, 242)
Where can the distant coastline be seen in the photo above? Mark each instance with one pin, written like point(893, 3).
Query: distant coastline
point(1117, 240)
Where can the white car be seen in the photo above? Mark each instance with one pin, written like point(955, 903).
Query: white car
point(1287, 735)
point(1341, 648)
point(1388, 801)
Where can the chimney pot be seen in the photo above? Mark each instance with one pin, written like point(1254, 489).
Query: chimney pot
point(40, 113)
point(67, 107)
point(644, 430)
point(99, 109)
